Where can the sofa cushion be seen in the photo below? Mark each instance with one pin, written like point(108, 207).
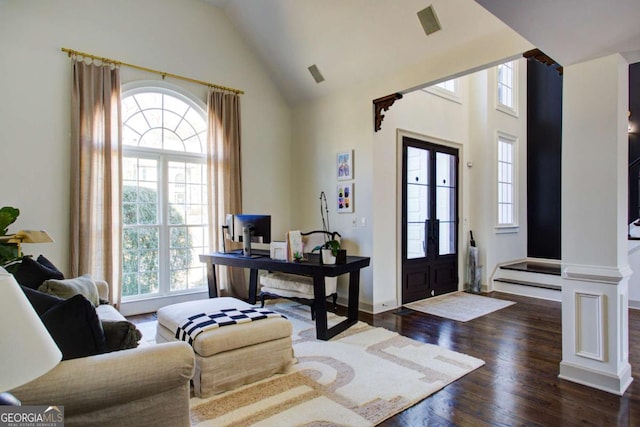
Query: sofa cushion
point(75, 327)
point(32, 274)
point(66, 288)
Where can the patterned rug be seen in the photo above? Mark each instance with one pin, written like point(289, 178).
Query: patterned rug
point(460, 306)
point(358, 378)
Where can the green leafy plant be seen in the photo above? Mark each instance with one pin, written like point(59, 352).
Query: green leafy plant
point(8, 216)
point(334, 245)
point(8, 251)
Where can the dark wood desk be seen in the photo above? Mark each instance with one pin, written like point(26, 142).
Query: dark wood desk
point(311, 268)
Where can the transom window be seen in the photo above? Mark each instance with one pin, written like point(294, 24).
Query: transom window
point(506, 181)
point(449, 85)
point(506, 93)
point(164, 182)
point(449, 89)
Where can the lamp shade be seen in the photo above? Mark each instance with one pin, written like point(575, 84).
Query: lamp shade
point(27, 350)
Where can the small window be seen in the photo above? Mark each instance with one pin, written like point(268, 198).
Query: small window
point(449, 89)
point(506, 193)
point(506, 88)
point(449, 85)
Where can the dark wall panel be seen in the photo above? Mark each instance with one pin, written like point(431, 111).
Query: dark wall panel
point(544, 160)
point(634, 141)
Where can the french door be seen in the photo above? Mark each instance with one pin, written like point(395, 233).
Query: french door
point(429, 219)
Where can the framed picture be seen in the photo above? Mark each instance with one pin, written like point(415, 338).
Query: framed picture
point(345, 198)
point(344, 165)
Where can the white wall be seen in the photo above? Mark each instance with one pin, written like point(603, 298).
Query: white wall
point(186, 37)
point(344, 121)
point(495, 245)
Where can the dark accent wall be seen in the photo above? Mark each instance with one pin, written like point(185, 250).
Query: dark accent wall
point(634, 141)
point(544, 160)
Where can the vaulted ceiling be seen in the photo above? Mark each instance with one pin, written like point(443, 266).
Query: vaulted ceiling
point(352, 41)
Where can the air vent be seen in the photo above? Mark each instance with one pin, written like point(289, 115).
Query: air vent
point(429, 20)
point(316, 73)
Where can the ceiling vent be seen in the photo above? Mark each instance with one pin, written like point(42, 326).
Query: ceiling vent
point(429, 20)
point(316, 73)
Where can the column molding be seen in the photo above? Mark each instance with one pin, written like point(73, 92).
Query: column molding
point(594, 273)
point(595, 262)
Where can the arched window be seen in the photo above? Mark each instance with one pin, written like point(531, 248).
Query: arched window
point(164, 206)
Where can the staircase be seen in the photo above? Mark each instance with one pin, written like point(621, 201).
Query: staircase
point(534, 278)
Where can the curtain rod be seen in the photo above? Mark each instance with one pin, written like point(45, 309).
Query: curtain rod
point(150, 70)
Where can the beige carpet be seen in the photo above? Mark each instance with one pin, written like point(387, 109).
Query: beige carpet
point(460, 306)
point(359, 378)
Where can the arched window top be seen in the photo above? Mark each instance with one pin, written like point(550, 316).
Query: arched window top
point(158, 117)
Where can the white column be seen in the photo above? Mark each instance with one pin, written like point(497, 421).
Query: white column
point(595, 328)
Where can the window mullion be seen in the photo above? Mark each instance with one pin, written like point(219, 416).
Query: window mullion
point(164, 266)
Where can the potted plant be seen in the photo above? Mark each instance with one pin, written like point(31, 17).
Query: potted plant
point(330, 251)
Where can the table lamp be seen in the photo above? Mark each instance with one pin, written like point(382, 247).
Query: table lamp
point(27, 349)
point(29, 236)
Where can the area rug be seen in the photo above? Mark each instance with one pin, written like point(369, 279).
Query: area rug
point(358, 378)
point(460, 306)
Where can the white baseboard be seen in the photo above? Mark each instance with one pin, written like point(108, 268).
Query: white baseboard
point(370, 308)
point(615, 384)
point(151, 305)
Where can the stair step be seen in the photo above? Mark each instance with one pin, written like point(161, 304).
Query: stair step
point(534, 267)
point(525, 283)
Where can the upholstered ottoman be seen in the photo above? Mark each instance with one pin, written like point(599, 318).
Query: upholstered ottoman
point(233, 355)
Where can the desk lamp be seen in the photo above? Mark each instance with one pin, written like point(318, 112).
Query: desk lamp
point(27, 349)
point(29, 236)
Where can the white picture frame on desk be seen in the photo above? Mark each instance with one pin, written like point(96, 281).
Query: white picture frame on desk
point(294, 244)
point(278, 250)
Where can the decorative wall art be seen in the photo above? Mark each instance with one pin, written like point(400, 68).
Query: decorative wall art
point(344, 165)
point(345, 198)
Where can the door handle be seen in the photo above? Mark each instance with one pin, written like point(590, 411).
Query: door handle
point(436, 230)
point(427, 235)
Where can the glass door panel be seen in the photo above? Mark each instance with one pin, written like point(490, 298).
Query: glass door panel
point(446, 191)
point(417, 202)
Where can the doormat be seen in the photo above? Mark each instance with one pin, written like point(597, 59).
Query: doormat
point(460, 306)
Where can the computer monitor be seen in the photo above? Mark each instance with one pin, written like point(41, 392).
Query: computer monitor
point(258, 227)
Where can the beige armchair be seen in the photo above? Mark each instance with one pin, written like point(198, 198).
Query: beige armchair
point(145, 386)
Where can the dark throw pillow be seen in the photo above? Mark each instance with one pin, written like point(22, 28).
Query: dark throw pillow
point(32, 274)
point(75, 327)
point(40, 301)
point(120, 335)
point(44, 261)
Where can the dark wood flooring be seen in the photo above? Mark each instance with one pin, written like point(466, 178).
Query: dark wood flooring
point(519, 384)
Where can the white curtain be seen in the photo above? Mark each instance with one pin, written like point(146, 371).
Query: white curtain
point(96, 156)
